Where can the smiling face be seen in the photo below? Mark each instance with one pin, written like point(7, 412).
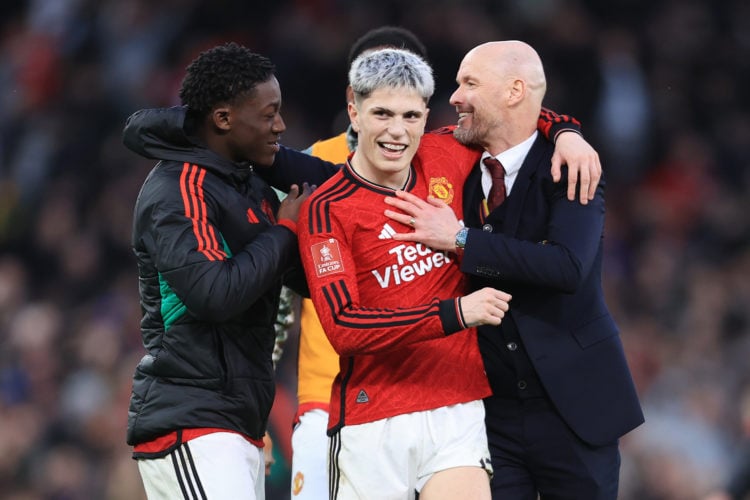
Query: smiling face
point(479, 100)
point(255, 125)
point(390, 123)
point(499, 96)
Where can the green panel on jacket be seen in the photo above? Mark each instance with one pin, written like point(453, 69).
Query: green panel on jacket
point(171, 305)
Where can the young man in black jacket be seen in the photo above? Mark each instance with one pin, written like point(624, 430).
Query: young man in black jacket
point(213, 245)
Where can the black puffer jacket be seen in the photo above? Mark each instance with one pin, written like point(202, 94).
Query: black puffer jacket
point(211, 261)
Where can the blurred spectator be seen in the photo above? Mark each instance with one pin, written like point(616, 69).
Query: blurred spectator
point(736, 484)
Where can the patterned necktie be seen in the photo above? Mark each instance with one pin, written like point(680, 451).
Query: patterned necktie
point(497, 191)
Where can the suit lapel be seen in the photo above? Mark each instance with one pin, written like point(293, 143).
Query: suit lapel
point(473, 198)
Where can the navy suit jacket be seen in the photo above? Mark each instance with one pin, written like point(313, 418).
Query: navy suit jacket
point(547, 252)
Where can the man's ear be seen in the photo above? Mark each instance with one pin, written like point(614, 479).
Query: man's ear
point(222, 118)
point(351, 108)
point(516, 91)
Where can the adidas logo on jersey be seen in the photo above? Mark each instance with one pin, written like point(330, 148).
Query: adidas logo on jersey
point(362, 397)
point(387, 232)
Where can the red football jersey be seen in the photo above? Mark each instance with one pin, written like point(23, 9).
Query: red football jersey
point(388, 306)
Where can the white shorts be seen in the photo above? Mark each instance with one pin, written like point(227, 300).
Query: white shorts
point(310, 456)
point(393, 458)
point(217, 465)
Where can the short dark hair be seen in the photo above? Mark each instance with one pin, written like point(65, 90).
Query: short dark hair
point(387, 37)
point(220, 75)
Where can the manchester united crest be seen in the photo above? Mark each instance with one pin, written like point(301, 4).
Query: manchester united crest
point(442, 189)
point(298, 483)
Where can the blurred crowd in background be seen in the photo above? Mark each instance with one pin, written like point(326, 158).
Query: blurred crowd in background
point(656, 84)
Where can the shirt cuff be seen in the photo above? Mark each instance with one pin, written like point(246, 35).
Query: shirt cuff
point(451, 316)
point(565, 129)
point(289, 224)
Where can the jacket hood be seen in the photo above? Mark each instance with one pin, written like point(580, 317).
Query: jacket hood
point(159, 134)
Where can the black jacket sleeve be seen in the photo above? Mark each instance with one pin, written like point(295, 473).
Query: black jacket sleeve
point(293, 167)
point(190, 257)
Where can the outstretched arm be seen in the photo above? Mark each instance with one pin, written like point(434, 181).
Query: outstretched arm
point(566, 254)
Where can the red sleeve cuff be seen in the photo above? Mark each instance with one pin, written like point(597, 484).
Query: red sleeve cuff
point(289, 224)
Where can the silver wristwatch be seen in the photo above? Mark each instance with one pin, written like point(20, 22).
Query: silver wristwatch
point(461, 238)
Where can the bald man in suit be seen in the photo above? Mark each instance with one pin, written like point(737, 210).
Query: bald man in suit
point(563, 394)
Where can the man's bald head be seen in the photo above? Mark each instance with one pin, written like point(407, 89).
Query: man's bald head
point(512, 59)
point(499, 97)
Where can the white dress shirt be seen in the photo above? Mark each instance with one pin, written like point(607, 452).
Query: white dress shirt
point(512, 159)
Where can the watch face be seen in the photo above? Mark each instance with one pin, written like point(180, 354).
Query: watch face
point(461, 237)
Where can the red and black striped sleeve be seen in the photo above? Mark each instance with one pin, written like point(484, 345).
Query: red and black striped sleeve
point(551, 124)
